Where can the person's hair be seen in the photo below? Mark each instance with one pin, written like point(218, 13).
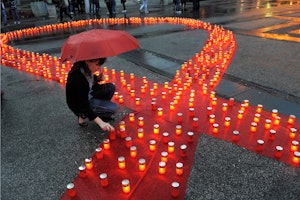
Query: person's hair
point(86, 69)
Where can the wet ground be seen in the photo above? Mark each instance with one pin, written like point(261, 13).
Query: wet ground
point(40, 155)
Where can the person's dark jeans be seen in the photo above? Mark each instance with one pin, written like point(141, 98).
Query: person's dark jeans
point(103, 91)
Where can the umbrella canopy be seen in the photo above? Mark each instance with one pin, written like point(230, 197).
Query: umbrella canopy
point(97, 43)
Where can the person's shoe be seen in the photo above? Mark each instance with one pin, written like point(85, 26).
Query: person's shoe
point(147, 12)
point(15, 22)
point(82, 122)
point(19, 22)
point(124, 11)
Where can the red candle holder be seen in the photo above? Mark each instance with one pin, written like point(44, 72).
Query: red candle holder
point(133, 151)
point(103, 180)
point(71, 190)
point(260, 144)
point(82, 171)
point(278, 151)
point(164, 156)
point(165, 137)
point(179, 168)
point(175, 189)
point(293, 132)
point(142, 165)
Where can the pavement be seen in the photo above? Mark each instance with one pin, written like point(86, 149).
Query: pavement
point(42, 147)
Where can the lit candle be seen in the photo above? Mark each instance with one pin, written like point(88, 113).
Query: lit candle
point(132, 93)
point(190, 136)
point(71, 190)
point(122, 124)
point(296, 158)
point(152, 145)
point(225, 106)
point(165, 137)
point(183, 150)
point(272, 133)
point(82, 171)
point(131, 117)
point(256, 117)
point(128, 87)
point(166, 85)
point(163, 95)
point(212, 94)
point(212, 118)
point(142, 165)
point(267, 124)
point(175, 189)
point(143, 89)
point(178, 130)
point(276, 120)
point(172, 105)
point(160, 112)
point(259, 108)
point(103, 180)
point(121, 100)
point(126, 186)
point(259, 146)
point(274, 113)
point(240, 114)
point(140, 133)
point(235, 136)
point(152, 92)
point(171, 147)
point(243, 107)
point(227, 121)
point(278, 151)
point(246, 103)
point(99, 153)
point(294, 146)
point(156, 129)
point(132, 76)
point(133, 151)
point(162, 168)
point(179, 168)
point(291, 119)
point(164, 156)
point(253, 127)
point(215, 128)
point(141, 121)
point(88, 163)
point(128, 142)
point(214, 101)
point(293, 132)
point(116, 95)
point(121, 162)
point(138, 101)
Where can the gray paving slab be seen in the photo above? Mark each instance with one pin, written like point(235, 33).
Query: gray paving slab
point(222, 170)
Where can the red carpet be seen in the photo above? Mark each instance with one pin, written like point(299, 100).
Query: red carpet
point(192, 87)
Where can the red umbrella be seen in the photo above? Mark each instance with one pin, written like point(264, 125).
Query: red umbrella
point(97, 43)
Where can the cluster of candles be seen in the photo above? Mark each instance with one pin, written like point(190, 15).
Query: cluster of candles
point(196, 79)
point(141, 162)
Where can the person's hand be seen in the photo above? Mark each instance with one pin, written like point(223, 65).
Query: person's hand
point(104, 125)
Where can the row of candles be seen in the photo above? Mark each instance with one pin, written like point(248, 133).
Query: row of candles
point(80, 25)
